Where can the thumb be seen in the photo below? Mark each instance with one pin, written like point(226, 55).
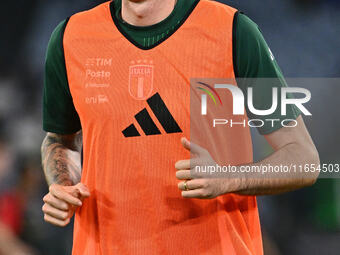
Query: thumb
point(185, 142)
point(83, 190)
point(193, 148)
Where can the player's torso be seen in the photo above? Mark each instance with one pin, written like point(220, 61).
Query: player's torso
point(134, 106)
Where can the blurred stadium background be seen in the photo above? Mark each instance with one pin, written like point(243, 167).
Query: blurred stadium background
point(304, 35)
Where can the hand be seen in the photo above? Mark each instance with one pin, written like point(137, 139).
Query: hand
point(62, 201)
point(198, 185)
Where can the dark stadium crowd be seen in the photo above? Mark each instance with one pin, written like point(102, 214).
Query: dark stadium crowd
point(302, 34)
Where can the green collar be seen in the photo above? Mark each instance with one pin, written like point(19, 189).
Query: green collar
point(147, 37)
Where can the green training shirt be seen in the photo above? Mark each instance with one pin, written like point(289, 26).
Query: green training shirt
point(252, 59)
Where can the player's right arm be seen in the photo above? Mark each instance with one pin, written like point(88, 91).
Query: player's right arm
point(61, 148)
point(62, 168)
point(61, 158)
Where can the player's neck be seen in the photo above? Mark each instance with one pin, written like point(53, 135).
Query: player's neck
point(146, 12)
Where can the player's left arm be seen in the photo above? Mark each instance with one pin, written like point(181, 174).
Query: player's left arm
point(292, 146)
point(294, 149)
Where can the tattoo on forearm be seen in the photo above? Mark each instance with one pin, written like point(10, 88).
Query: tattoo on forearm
point(61, 158)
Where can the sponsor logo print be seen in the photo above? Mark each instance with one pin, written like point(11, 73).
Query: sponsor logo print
point(100, 99)
point(97, 73)
point(141, 74)
point(146, 123)
point(92, 74)
point(98, 62)
point(97, 85)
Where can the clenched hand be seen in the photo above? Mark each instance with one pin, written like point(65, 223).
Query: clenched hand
point(62, 201)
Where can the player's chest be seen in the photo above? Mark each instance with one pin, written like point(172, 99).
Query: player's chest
point(120, 82)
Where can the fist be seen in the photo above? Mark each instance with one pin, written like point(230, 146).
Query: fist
point(61, 202)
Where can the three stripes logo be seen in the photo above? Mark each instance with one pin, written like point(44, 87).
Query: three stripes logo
point(146, 123)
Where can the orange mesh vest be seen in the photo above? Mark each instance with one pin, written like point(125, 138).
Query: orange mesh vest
point(134, 106)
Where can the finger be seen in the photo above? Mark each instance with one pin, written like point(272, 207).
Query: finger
point(188, 163)
point(65, 196)
point(55, 213)
point(196, 193)
point(193, 148)
point(183, 164)
point(57, 222)
point(183, 175)
point(190, 185)
point(83, 190)
point(185, 143)
point(188, 175)
point(55, 202)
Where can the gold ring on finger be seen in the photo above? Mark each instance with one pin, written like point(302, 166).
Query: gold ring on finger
point(186, 186)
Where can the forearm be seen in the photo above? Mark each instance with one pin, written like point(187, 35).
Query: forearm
point(61, 158)
point(272, 183)
point(206, 179)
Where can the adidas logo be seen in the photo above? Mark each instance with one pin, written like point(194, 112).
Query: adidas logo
point(144, 120)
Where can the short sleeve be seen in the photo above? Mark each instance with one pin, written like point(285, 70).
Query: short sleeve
point(59, 113)
point(253, 60)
